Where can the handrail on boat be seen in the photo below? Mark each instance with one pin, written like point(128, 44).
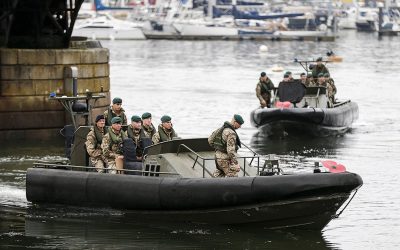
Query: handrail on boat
point(208, 159)
point(251, 150)
point(197, 156)
point(341, 103)
point(71, 167)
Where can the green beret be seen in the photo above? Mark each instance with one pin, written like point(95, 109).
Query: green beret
point(146, 115)
point(238, 119)
point(288, 73)
point(165, 118)
point(117, 100)
point(327, 75)
point(136, 118)
point(116, 119)
point(321, 75)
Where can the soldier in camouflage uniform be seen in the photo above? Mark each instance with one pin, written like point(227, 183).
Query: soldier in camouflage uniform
point(136, 132)
point(165, 131)
point(311, 80)
point(331, 88)
point(319, 68)
point(115, 110)
point(321, 80)
point(304, 80)
point(112, 145)
point(93, 144)
point(148, 127)
point(263, 90)
point(226, 142)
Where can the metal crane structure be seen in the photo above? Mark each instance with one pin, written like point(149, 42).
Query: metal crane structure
point(37, 24)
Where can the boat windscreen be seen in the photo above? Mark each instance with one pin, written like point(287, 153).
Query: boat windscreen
point(292, 91)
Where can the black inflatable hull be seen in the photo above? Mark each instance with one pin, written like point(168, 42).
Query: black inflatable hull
point(319, 122)
point(307, 200)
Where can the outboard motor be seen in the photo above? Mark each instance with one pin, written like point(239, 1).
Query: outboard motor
point(68, 133)
point(130, 160)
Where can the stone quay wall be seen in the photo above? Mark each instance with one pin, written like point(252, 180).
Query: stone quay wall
point(28, 76)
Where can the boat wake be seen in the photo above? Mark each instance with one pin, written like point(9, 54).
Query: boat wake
point(11, 196)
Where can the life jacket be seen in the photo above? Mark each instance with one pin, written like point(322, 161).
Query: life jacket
point(99, 136)
point(116, 140)
point(163, 134)
point(220, 144)
point(265, 86)
point(150, 130)
point(131, 134)
point(112, 114)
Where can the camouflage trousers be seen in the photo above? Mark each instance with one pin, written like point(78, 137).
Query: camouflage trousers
point(226, 168)
point(267, 99)
point(98, 163)
point(112, 167)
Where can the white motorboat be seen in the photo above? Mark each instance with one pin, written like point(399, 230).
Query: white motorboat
point(205, 30)
point(105, 27)
point(348, 19)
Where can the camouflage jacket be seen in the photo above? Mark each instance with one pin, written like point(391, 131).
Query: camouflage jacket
point(228, 136)
point(319, 69)
point(331, 87)
point(264, 87)
point(93, 146)
point(112, 149)
point(149, 131)
point(109, 114)
point(163, 135)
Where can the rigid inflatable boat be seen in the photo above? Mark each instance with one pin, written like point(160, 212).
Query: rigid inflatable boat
point(298, 109)
point(175, 183)
point(308, 111)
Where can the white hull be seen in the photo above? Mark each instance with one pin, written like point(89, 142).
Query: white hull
point(166, 29)
point(202, 30)
point(110, 33)
point(347, 23)
point(105, 27)
point(300, 33)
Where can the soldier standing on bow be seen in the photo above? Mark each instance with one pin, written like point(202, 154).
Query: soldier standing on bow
point(226, 142)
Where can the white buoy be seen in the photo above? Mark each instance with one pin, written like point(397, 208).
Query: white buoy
point(263, 48)
point(277, 68)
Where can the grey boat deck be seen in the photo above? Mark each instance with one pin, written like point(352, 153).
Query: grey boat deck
point(176, 157)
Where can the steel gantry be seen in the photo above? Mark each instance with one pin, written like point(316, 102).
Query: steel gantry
point(37, 23)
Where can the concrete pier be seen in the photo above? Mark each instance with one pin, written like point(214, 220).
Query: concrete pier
point(28, 76)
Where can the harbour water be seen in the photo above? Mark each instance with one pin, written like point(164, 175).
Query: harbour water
point(200, 84)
